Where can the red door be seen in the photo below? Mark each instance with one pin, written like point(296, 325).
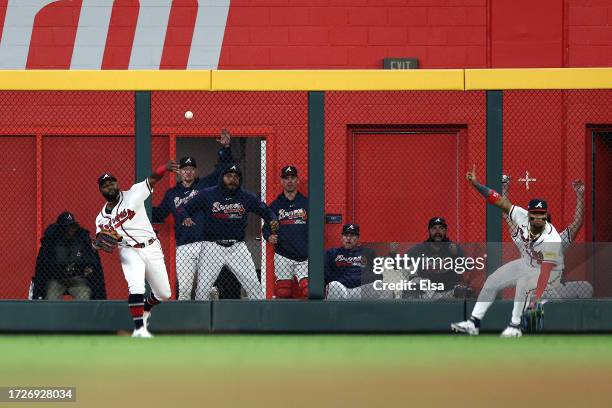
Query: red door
point(402, 179)
point(602, 208)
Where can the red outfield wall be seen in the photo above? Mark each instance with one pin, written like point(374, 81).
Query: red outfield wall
point(48, 130)
point(338, 33)
point(73, 137)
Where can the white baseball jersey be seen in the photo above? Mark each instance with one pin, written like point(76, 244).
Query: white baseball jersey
point(546, 248)
point(129, 217)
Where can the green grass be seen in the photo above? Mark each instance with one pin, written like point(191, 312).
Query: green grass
point(314, 370)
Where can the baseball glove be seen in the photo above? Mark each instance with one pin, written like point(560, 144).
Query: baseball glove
point(532, 319)
point(107, 240)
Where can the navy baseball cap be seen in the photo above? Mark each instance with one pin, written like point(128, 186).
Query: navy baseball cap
point(537, 205)
point(187, 161)
point(437, 221)
point(105, 177)
point(66, 218)
point(232, 168)
point(289, 171)
point(350, 229)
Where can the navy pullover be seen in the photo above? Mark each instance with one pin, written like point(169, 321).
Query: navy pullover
point(176, 198)
point(352, 268)
point(226, 212)
point(293, 231)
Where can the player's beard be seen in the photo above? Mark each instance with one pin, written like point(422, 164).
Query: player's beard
point(111, 196)
point(231, 187)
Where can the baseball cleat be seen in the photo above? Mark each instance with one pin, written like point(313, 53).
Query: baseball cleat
point(465, 327)
point(142, 332)
point(145, 319)
point(511, 331)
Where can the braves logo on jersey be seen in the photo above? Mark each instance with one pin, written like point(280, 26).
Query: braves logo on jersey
point(178, 202)
point(298, 216)
point(119, 220)
point(535, 256)
point(344, 261)
point(225, 211)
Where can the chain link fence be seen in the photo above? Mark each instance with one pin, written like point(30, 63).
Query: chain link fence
point(55, 145)
point(395, 165)
point(556, 147)
point(218, 250)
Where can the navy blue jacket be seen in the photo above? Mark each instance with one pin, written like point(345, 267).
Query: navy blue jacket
point(352, 268)
point(293, 232)
point(176, 198)
point(226, 212)
point(432, 249)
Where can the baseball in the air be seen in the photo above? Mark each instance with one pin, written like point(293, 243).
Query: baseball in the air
point(188, 115)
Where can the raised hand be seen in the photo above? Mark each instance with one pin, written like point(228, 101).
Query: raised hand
point(172, 166)
point(578, 186)
point(224, 137)
point(471, 175)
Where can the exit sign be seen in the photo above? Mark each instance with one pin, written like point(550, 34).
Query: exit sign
point(400, 63)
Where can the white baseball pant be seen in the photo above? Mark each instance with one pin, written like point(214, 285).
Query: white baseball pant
point(286, 269)
point(188, 258)
point(567, 290)
point(337, 291)
point(514, 273)
point(147, 263)
point(237, 258)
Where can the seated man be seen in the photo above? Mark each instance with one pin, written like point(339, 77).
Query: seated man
point(348, 269)
point(67, 264)
point(436, 251)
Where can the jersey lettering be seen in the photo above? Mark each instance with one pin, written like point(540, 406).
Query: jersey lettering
point(298, 216)
point(343, 261)
point(234, 210)
point(182, 201)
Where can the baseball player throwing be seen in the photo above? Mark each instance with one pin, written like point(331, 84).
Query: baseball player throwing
point(226, 207)
point(124, 219)
point(541, 255)
point(291, 241)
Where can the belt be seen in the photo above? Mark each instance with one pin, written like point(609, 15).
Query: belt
point(144, 244)
point(226, 242)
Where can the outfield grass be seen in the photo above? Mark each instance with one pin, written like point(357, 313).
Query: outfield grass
point(314, 371)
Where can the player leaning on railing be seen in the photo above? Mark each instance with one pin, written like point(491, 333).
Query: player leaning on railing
point(540, 248)
point(123, 222)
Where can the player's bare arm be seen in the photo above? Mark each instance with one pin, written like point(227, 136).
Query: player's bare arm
point(158, 174)
point(224, 137)
point(578, 220)
point(491, 195)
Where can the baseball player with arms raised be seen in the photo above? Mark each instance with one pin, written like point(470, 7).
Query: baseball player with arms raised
point(189, 240)
point(291, 241)
point(226, 207)
point(123, 222)
point(557, 288)
point(541, 254)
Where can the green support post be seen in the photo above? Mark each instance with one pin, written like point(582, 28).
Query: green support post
point(143, 142)
point(316, 193)
point(495, 102)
